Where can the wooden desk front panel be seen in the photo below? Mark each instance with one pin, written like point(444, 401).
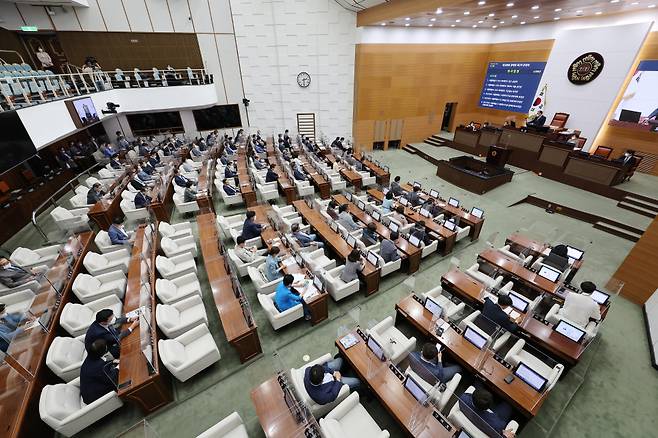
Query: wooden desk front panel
point(521, 140)
point(466, 138)
point(554, 156)
point(273, 413)
point(489, 137)
point(590, 170)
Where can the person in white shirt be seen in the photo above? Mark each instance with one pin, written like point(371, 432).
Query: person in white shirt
point(580, 308)
point(245, 253)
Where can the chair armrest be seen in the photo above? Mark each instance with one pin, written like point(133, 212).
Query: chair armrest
point(512, 426)
point(184, 240)
point(102, 303)
point(434, 292)
point(345, 406)
point(118, 254)
point(188, 303)
point(184, 257)
point(383, 325)
point(79, 211)
point(186, 279)
point(183, 226)
point(192, 334)
point(113, 275)
point(286, 312)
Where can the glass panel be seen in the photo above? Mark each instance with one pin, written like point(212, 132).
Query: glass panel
point(11, 397)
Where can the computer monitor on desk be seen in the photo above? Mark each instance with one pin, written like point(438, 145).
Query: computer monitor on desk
point(549, 273)
point(434, 194)
point(348, 196)
point(433, 307)
point(450, 225)
point(600, 297)
point(376, 215)
point(574, 254)
point(351, 240)
point(477, 212)
point(569, 330)
point(393, 226)
point(376, 349)
point(362, 205)
point(519, 302)
point(417, 184)
point(404, 201)
point(530, 376)
point(454, 202)
point(425, 213)
point(475, 338)
point(415, 241)
point(415, 389)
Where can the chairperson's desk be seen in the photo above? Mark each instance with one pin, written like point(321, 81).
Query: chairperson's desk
point(369, 275)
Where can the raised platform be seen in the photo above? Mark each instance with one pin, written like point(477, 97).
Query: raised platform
point(472, 174)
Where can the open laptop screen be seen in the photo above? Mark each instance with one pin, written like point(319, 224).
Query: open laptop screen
point(477, 212)
point(574, 253)
point(600, 297)
point(450, 225)
point(415, 389)
point(569, 330)
point(474, 338)
point(376, 215)
point(434, 194)
point(417, 184)
point(376, 349)
point(351, 241)
point(433, 307)
point(549, 273)
point(393, 226)
point(519, 302)
point(372, 258)
point(424, 212)
point(454, 202)
point(415, 241)
point(530, 376)
point(404, 201)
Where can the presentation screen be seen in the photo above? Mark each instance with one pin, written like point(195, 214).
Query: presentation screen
point(155, 123)
point(15, 143)
point(638, 107)
point(511, 86)
point(217, 117)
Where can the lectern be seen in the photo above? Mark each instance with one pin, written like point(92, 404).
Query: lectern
point(497, 156)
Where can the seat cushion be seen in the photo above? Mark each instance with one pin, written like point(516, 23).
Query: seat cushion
point(60, 213)
point(66, 351)
point(535, 364)
point(333, 428)
point(173, 351)
point(24, 256)
point(62, 400)
point(199, 347)
point(95, 261)
point(87, 283)
point(77, 313)
point(168, 316)
point(359, 423)
point(165, 288)
point(165, 264)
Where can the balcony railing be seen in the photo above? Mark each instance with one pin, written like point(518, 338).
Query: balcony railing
point(20, 86)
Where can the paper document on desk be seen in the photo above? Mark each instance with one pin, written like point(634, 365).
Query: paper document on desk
point(349, 340)
point(135, 313)
point(299, 277)
point(310, 292)
point(289, 261)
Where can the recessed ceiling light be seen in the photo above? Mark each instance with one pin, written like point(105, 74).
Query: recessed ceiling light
point(439, 11)
point(407, 18)
point(614, 1)
point(515, 16)
point(430, 25)
point(579, 11)
point(494, 27)
point(432, 19)
point(651, 6)
point(458, 21)
point(481, 21)
point(475, 25)
point(535, 17)
point(535, 7)
point(558, 9)
point(406, 25)
point(598, 13)
point(383, 24)
point(635, 3)
point(509, 5)
point(556, 18)
point(453, 25)
point(502, 22)
point(492, 14)
point(467, 13)
point(482, 3)
point(523, 22)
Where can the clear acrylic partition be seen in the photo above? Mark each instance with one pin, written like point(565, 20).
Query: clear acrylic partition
point(349, 322)
point(463, 417)
point(142, 429)
point(613, 287)
point(12, 396)
point(27, 325)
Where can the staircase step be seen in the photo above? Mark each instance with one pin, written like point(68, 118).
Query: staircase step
point(409, 148)
point(432, 142)
point(637, 209)
point(642, 203)
point(617, 231)
point(438, 138)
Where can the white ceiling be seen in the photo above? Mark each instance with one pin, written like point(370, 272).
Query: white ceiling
point(359, 5)
point(74, 3)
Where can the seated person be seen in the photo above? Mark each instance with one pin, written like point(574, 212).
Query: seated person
point(399, 217)
point(105, 327)
point(97, 376)
point(12, 276)
point(271, 174)
point(331, 209)
point(259, 164)
point(353, 265)
point(414, 196)
point(228, 172)
point(557, 258)
point(496, 312)
point(538, 121)
point(286, 296)
point(427, 364)
point(142, 199)
point(273, 266)
point(9, 327)
point(114, 164)
point(195, 151)
point(298, 173)
point(94, 194)
point(189, 194)
point(387, 203)
point(117, 233)
point(581, 308)
point(137, 183)
point(228, 188)
point(395, 187)
point(481, 403)
point(305, 239)
point(369, 235)
point(246, 253)
point(419, 231)
point(431, 207)
point(323, 382)
point(388, 250)
point(250, 228)
point(345, 219)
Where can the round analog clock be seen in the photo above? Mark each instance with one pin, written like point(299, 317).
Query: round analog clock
point(303, 79)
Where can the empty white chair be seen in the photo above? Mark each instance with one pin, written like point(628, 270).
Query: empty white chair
point(268, 191)
point(230, 427)
point(105, 173)
point(469, 321)
point(182, 245)
point(450, 309)
point(517, 354)
point(263, 285)
point(19, 301)
point(65, 357)
point(438, 394)
point(177, 318)
point(189, 353)
point(81, 190)
point(132, 212)
point(70, 220)
point(61, 407)
point(318, 261)
point(350, 420)
point(462, 232)
point(89, 288)
point(506, 250)
point(170, 291)
point(242, 266)
point(79, 201)
point(336, 287)
point(227, 222)
point(304, 188)
point(367, 180)
point(396, 345)
point(282, 212)
point(276, 318)
point(337, 183)
point(76, 318)
point(483, 278)
point(97, 264)
point(429, 249)
point(195, 165)
point(297, 377)
point(174, 231)
point(184, 207)
point(463, 418)
point(556, 314)
point(29, 258)
point(104, 244)
point(172, 267)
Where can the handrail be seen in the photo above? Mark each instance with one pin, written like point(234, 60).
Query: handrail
point(14, 52)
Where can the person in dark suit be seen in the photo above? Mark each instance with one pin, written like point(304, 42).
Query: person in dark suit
point(250, 228)
point(414, 196)
point(558, 258)
point(137, 183)
point(427, 364)
point(142, 199)
point(271, 175)
point(118, 235)
point(228, 188)
point(228, 172)
point(190, 194)
point(105, 327)
point(331, 210)
point(94, 194)
point(12, 276)
point(180, 180)
point(97, 376)
point(481, 404)
point(628, 159)
point(9, 326)
point(298, 174)
point(144, 150)
point(496, 312)
point(323, 382)
point(395, 186)
point(538, 121)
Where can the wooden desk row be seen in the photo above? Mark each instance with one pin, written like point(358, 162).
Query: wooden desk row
point(352, 177)
point(523, 244)
point(286, 186)
point(104, 211)
point(246, 185)
point(316, 179)
point(382, 175)
point(205, 186)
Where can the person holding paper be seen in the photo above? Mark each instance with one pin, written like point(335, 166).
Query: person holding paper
point(286, 296)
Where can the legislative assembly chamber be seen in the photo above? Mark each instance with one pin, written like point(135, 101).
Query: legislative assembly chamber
point(328, 218)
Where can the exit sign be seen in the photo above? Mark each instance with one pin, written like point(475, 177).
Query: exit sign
point(29, 28)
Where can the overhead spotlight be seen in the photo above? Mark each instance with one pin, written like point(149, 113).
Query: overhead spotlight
point(556, 18)
point(467, 13)
point(458, 21)
point(383, 24)
point(432, 19)
point(523, 22)
point(474, 26)
point(535, 7)
point(514, 16)
point(111, 108)
point(598, 13)
point(536, 17)
point(430, 25)
point(406, 25)
point(651, 6)
point(492, 14)
point(407, 19)
point(480, 22)
point(509, 5)
point(494, 27)
point(439, 11)
point(452, 25)
point(502, 22)
point(558, 9)
point(614, 1)
point(482, 3)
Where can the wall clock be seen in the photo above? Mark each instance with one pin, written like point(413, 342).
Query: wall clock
point(585, 68)
point(303, 79)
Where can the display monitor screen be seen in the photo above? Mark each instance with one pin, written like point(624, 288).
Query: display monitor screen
point(433, 307)
point(638, 108)
point(16, 145)
point(574, 253)
point(415, 241)
point(376, 215)
point(376, 349)
point(474, 338)
point(85, 112)
point(348, 196)
point(530, 376)
point(217, 117)
point(569, 330)
point(477, 212)
point(361, 205)
point(450, 225)
point(351, 241)
point(600, 297)
point(434, 194)
point(415, 389)
point(386, 169)
point(299, 259)
point(334, 227)
point(454, 202)
point(549, 273)
point(404, 201)
point(424, 212)
point(417, 184)
point(393, 226)
point(511, 86)
point(519, 302)
point(155, 123)
point(385, 190)
point(373, 259)
point(317, 282)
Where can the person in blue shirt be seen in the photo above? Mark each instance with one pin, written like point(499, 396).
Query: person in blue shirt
point(114, 164)
point(271, 175)
point(286, 296)
point(228, 188)
point(324, 382)
point(299, 175)
point(387, 203)
point(272, 264)
point(305, 239)
point(118, 235)
point(142, 175)
point(179, 179)
point(428, 365)
point(258, 164)
point(9, 323)
point(481, 404)
point(142, 199)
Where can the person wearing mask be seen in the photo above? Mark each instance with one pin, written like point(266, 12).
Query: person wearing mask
point(481, 404)
point(143, 175)
point(228, 171)
point(395, 186)
point(108, 151)
point(419, 231)
point(331, 210)
point(189, 194)
point(428, 364)
point(353, 265)
point(369, 234)
point(557, 258)
point(273, 264)
point(12, 276)
point(399, 217)
point(388, 250)
point(259, 164)
point(115, 164)
point(496, 312)
point(228, 188)
point(271, 175)
point(297, 172)
point(305, 239)
point(538, 121)
point(122, 142)
point(324, 382)
point(247, 254)
point(97, 376)
point(345, 219)
point(105, 326)
point(251, 229)
point(581, 308)
point(142, 199)
point(117, 233)
point(286, 296)
point(95, 194)
point(180, 180)
point(136, 183)
point(414, 196)
point(387, 203)
point(9, 326)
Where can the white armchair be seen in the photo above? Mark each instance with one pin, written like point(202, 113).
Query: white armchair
point(318, 261)
point(61, 407)
point(336, 287)
point(129, 194)
point(463, 420)
point(104, 244)
point(498, 342)
point(282, 212)
point(450, 309)
point(172, 267)
point(81, 189)
point(517, 354)
point(263, 285)
point(276, 318)
point(297, 377)
point(184, 207)
point(132, 212)
point(289, 221)
point(350, 420)
point(483, 278)
point(242, 266)
point(440, 396)
point(395, 344)
point(189, 353)
point(268, 191)
point(462, 232)
point(171, 291)
point(387, 268)
point(556, 314)
point(367, 180)
point(79, 201)
point(76, 318)
point(70, 220)
point(65, 356)
point(177, 318)
point(105, 173)
point(227, 222)
point(255, 241)
point(97, 264)
point(337, 183)
point(29, 258)
point(19, 301)
point(90, 288)
point(304, 188)
point(30, 285)
point(506, 250)
point(230, 427)
point(182, 245)
point(228, 199)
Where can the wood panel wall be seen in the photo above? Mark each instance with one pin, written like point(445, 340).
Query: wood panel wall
point(620, 138)
point(638, 270)
point(413, 82)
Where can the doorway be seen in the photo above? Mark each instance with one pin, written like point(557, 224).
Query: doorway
point(50, 45)
point(448, 116)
